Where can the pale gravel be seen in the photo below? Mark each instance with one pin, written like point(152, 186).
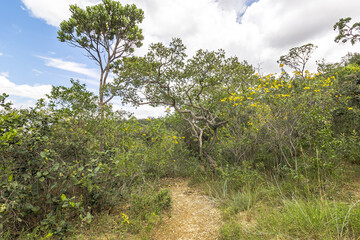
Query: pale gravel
point(194, 215)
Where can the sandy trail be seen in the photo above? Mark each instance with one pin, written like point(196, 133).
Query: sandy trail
point(193, 215)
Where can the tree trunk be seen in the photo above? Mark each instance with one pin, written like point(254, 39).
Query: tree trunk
point(210, 161)
point(102, 113)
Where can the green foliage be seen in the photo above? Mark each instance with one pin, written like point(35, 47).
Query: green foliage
point(75, 101)
point(193, 87)
point(107, 32)
point(347, 32)
point(299, 219)
point(103, 25)
point(298, 57)
point(53, 177)
point(148, 208)
point(279, 146)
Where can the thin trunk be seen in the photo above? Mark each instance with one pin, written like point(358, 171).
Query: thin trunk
point(101, 103)
point(210, 161)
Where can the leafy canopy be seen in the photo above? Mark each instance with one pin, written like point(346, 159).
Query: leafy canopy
point(194, 87)
point(106, 31)
point(298, 57)
point(347, 32)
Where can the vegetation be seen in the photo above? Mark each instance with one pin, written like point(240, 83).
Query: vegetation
point(347, 32)
point(280, 152)
point(107, 32)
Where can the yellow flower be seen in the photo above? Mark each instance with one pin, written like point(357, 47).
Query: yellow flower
point(350, 108)
point(148, 119)
point(306, 88)
point(144, 134)
point(281, 65)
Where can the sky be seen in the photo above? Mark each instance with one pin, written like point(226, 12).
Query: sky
point(32, 59)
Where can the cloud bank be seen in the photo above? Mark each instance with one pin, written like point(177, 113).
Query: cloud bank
point(268, 27)
point(22, 90)
point(256, 31)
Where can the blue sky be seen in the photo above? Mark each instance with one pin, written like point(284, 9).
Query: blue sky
point(27, 42)
point(32, 59)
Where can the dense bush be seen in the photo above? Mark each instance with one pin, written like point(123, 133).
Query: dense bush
point(52, 174)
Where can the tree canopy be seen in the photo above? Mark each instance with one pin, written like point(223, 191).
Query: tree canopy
point(347, 32)
point(193, 87)
point(298, 57)
point(107, 32)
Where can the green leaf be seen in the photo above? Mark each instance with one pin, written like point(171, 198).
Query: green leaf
point(43, 154)
point(10, 178)
point(56, 166)
point(47, 236)
point(35, 209)
point(63, 197)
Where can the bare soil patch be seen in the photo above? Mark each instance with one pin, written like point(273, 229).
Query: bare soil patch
point(193, 216)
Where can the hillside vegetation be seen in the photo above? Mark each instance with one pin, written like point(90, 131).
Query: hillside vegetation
point(280, 153)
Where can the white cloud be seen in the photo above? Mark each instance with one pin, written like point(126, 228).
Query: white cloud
point(54, 11)
point(37, 72)
point(143, 111)
point(267, 30)
point(22, 90)
point(70, 66)
point(1, 54)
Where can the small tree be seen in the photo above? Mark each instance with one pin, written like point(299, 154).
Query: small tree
point(194, 88)
point(107, 32)
point(298, 57)
point(347, 32)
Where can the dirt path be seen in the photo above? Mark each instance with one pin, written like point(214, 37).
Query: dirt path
point(193, 216)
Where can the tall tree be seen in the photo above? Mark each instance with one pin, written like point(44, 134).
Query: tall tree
point(194, 87)
point(347, 32)
point(107, 32)
point(298, 57)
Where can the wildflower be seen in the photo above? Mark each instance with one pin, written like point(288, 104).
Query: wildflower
point(148, 119)
point(125, 218)
point(350, 108)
